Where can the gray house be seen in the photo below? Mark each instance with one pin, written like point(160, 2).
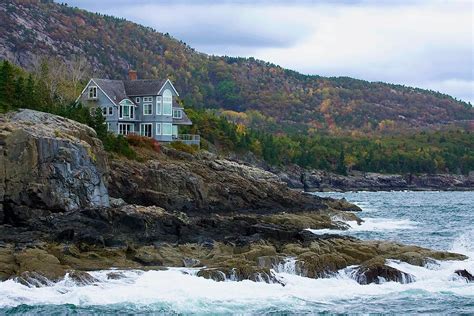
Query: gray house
point(144, 107)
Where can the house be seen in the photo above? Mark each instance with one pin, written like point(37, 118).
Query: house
point(144, 107)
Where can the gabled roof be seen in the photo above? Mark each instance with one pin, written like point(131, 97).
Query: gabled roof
point(114, 89)
point(117, 90)
point(184, 120)
point(143, 86)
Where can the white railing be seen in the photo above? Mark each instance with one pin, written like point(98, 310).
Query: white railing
point(188, 139)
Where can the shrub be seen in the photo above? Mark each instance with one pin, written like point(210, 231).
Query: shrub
point(190, 149)
point(143, 142)
point(118, 144)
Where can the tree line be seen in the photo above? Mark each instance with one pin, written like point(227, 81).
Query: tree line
point(53, 86)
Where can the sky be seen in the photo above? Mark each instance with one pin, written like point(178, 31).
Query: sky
point(422, 43)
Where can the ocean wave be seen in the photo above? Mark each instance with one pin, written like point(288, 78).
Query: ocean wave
point(369, 225)
point(179, 290)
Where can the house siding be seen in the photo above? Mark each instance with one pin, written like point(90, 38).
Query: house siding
point(101, 102)
point(113, 120)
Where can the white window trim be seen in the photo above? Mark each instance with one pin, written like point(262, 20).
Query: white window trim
point(109, 112)
point(94, 94)
point(173, 128)
point(163, 129)
point(151, 108)
point(168, 101)
point(158, 129)
point(137, 100)
point(132, 129)
point(131, 111)
point(180, 116)
point(159, 105)
point(142, 129)
point(147, 99)
point(109, 125)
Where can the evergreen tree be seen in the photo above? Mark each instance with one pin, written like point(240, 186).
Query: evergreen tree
point(7, 87)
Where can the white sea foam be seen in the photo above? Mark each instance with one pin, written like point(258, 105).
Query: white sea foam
point(370, 225)
point(181, 291)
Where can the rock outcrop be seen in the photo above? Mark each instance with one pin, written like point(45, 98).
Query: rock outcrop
point(319, 180)
point(376, 271)
point(49, 163)
point(465, 274)
point(204, 183)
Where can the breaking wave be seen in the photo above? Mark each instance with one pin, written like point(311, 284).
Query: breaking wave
point(370, 225)
point(180, 290)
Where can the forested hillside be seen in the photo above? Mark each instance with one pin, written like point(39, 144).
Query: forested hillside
point(255, 93)
point(427, 152)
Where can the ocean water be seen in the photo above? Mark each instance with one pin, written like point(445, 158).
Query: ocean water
point(440, 220)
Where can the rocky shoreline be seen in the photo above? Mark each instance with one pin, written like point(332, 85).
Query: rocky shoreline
point(68, 208)
point(319, 180)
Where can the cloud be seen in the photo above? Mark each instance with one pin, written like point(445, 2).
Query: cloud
point(425, 43)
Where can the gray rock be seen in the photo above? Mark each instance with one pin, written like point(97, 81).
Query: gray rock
point(191, 262)
point(209, 184)
point(116, 202)
point(49, 162)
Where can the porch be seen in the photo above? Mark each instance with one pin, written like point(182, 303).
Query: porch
point(188, 139)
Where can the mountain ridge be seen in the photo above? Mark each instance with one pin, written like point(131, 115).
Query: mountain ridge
point(272, 97)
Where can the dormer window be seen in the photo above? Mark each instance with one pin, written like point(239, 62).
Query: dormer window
point(93, 92)
point(177, 114)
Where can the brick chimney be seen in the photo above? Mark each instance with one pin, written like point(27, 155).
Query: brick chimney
point(132, 74)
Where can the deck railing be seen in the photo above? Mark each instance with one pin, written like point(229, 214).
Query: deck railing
point(188, 139)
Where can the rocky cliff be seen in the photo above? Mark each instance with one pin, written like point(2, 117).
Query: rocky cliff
point(204, 183)
point(48, 162)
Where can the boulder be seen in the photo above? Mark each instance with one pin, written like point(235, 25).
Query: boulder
point(81, 277)
point(212, 274)
point(49, 162)
point(465, 274)
point(376, 271)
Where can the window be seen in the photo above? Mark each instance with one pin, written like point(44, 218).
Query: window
point(147, 109)
point(167, 129)
point(126, 110)
point(175, 131)
point(111, 110)
point(145, 129)
point(109, 127)
point(167, 102)
point(125, 128)
point(158, 105)
point(104, 111)
point(137, 100)
point(147, 99)
point(177, 114)
point(93, 92)
point(158, 129)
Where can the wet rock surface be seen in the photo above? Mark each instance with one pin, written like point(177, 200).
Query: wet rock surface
point(137, 237)
point(376, 271)
point(465, 274)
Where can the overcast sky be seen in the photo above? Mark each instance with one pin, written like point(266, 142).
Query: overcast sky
point(423, 43)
